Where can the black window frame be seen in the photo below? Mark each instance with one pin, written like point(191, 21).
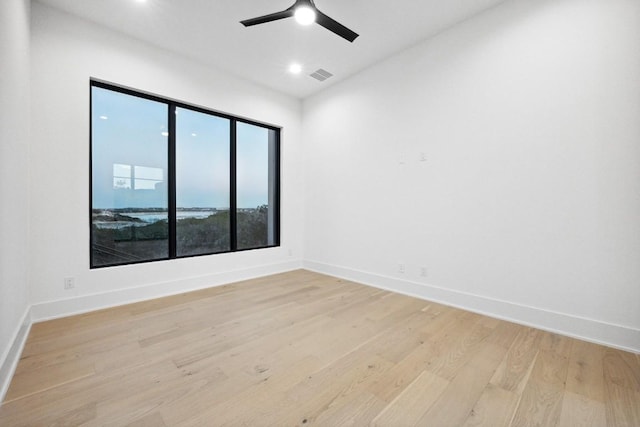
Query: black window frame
point(172, 105)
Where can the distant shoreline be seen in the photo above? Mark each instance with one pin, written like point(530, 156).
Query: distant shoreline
point(155, 210)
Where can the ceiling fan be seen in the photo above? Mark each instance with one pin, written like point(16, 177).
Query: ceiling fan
point(306, 13)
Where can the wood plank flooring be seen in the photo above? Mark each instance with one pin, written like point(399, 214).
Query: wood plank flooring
point(304, 349)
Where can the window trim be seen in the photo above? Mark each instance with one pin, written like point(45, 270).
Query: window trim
point(172, 106)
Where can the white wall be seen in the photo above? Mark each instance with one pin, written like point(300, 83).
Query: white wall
point(67, 52)
point(528, 204)
point(14, 178)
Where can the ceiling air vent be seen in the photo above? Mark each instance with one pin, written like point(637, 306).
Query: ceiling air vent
point(321, 74)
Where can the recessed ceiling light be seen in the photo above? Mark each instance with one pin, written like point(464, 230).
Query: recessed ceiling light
point(104, 118)
point(295, 68)
point(305, 15)
point(194, 134)
point(165, 134)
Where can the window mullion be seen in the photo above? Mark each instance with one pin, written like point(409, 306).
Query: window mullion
point(233, 214)
point(172, 181)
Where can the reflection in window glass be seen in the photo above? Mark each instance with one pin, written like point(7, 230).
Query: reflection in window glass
point(121, 176)
point(256, 186)
point(202, 183)
point(148, 178)
point(129, 191)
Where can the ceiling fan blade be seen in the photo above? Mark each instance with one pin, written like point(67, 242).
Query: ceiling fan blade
point(268, 18)
point(335, 27)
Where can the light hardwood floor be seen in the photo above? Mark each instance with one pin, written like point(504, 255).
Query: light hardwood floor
point(302, 349)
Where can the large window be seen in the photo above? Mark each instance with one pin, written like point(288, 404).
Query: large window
point(170, 180)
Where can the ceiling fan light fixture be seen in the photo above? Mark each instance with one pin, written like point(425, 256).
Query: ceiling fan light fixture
point(305, 15)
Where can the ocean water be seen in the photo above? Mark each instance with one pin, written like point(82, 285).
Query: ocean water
point(151, 217)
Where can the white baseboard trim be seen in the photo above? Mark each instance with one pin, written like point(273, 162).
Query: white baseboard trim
point(10, 359)
point(617, 336)
point(86, 303)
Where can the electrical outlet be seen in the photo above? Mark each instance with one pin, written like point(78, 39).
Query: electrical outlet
point(424, 272)
point(69, 283)
point(401, 268)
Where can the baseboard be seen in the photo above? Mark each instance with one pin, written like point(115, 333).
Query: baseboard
point(9, 362)
point(617, 336)
point(87, 303)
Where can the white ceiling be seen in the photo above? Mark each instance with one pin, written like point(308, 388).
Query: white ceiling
point(209, 32)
